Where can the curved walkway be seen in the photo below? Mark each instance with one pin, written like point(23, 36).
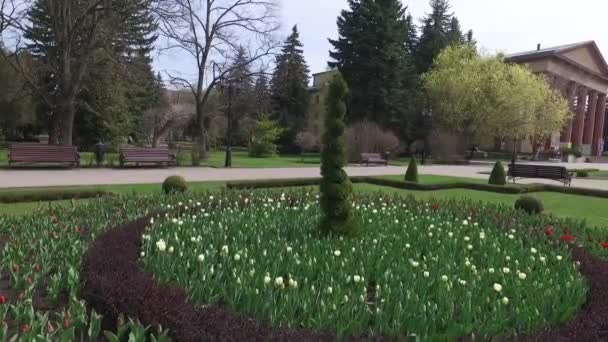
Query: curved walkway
point(46, 177)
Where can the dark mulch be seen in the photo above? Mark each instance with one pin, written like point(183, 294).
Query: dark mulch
point(114, 284)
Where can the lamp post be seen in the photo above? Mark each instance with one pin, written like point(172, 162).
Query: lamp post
point(227, 85)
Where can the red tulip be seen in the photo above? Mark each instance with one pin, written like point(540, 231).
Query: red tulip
point(2, 299)
point(436, 206)
point(549, 231)
point(36, 268)
point(567, 238)
point(50, 327)
point(25, 328)
point(605, 245)
point(16, 268)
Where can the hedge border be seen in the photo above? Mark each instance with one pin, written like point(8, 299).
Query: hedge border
point(506, 189)
point(113, 283)
point(21, 196)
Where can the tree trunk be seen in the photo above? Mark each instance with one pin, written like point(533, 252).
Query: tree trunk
point(201, 134)
point(68, 110)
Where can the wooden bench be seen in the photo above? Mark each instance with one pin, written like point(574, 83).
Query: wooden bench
point(373, 158)
point(41, 153)
point(136, 155)
point(556, 173)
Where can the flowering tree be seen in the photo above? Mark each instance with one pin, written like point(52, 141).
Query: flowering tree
point(477, 95)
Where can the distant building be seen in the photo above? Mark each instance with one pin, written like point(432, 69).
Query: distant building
point(580, 73)
point(318, 95)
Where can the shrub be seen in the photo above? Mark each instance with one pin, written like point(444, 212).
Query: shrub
point(582, 173)
point(175, 184)
point(266, 134)
point(574, 150)
point(335, 187)
point(498, 177)
point(368, 137)
point(529, 204)
point(411, 175)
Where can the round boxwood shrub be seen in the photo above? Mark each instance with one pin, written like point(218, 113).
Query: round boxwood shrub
point(582, 173)
point(175, 184)
point(498, 177)
point(411, 175)
point(529, 204)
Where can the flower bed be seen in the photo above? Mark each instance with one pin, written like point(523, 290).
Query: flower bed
point(441, 270)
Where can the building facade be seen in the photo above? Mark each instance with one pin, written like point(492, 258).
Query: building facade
point(580, 73)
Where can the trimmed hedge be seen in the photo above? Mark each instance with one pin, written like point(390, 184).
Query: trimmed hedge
point(45, 195)
point(174, 184)
point(498, 176)
point(411, 175)
point(506, 189)
point(529, 204)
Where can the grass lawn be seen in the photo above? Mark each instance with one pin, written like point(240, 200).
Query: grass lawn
point(430, 179)
point(26, 207)
point(598, 175)
point(591, 209)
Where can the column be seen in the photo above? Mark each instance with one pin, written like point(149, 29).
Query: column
point(598, 131)
point(590, 119)
point(579, 120)
point(569, 92)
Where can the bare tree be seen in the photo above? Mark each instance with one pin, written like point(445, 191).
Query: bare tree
point(72, 40)
point(160, 121)
point(212, 32)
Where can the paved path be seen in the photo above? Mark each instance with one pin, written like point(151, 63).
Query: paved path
point(36, 178)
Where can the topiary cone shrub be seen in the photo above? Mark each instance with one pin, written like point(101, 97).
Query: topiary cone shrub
point(498, 176)
point(529, 204)
point(411, 175)
point(335, 187)
point(175, 184)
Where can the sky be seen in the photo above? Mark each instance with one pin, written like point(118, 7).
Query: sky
point(499, 25)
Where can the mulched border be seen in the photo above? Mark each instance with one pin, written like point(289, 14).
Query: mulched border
point(113, 283)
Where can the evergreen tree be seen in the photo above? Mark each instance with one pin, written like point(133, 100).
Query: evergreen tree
point(262, 95)
point(373, 55)
point(243, 101)
point(411, 175)
point(124, 40)
point(289, 86)
point(440, 29)
point(498, 177)
point(336, 188)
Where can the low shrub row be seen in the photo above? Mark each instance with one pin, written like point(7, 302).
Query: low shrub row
point(506, 189)
point(33, 195)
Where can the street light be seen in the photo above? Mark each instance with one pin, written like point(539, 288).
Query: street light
point(228, 84)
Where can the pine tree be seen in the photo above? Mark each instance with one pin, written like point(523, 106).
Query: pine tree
point(336, 188)
point(262, 95)
point(373, 54)
point(440, 29)
point(289, 86)
point(243, 101)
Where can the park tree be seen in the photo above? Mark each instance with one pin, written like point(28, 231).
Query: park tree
point(336, 188)
point(373, 55)
point(212, 33)
point(262, 94)
point(440, 29)
point(472, 95)
point(66, 41)
point(16, 103)
point(289, 86)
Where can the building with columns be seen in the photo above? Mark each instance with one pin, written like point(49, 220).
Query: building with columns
point(580, 73)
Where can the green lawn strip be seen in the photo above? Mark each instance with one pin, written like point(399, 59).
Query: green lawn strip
point(27, 207)
point(431, 179)
point(586, 208)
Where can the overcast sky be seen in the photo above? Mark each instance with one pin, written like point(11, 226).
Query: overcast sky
point(498, 25)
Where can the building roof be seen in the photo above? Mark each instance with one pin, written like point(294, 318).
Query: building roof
point(559, 51)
